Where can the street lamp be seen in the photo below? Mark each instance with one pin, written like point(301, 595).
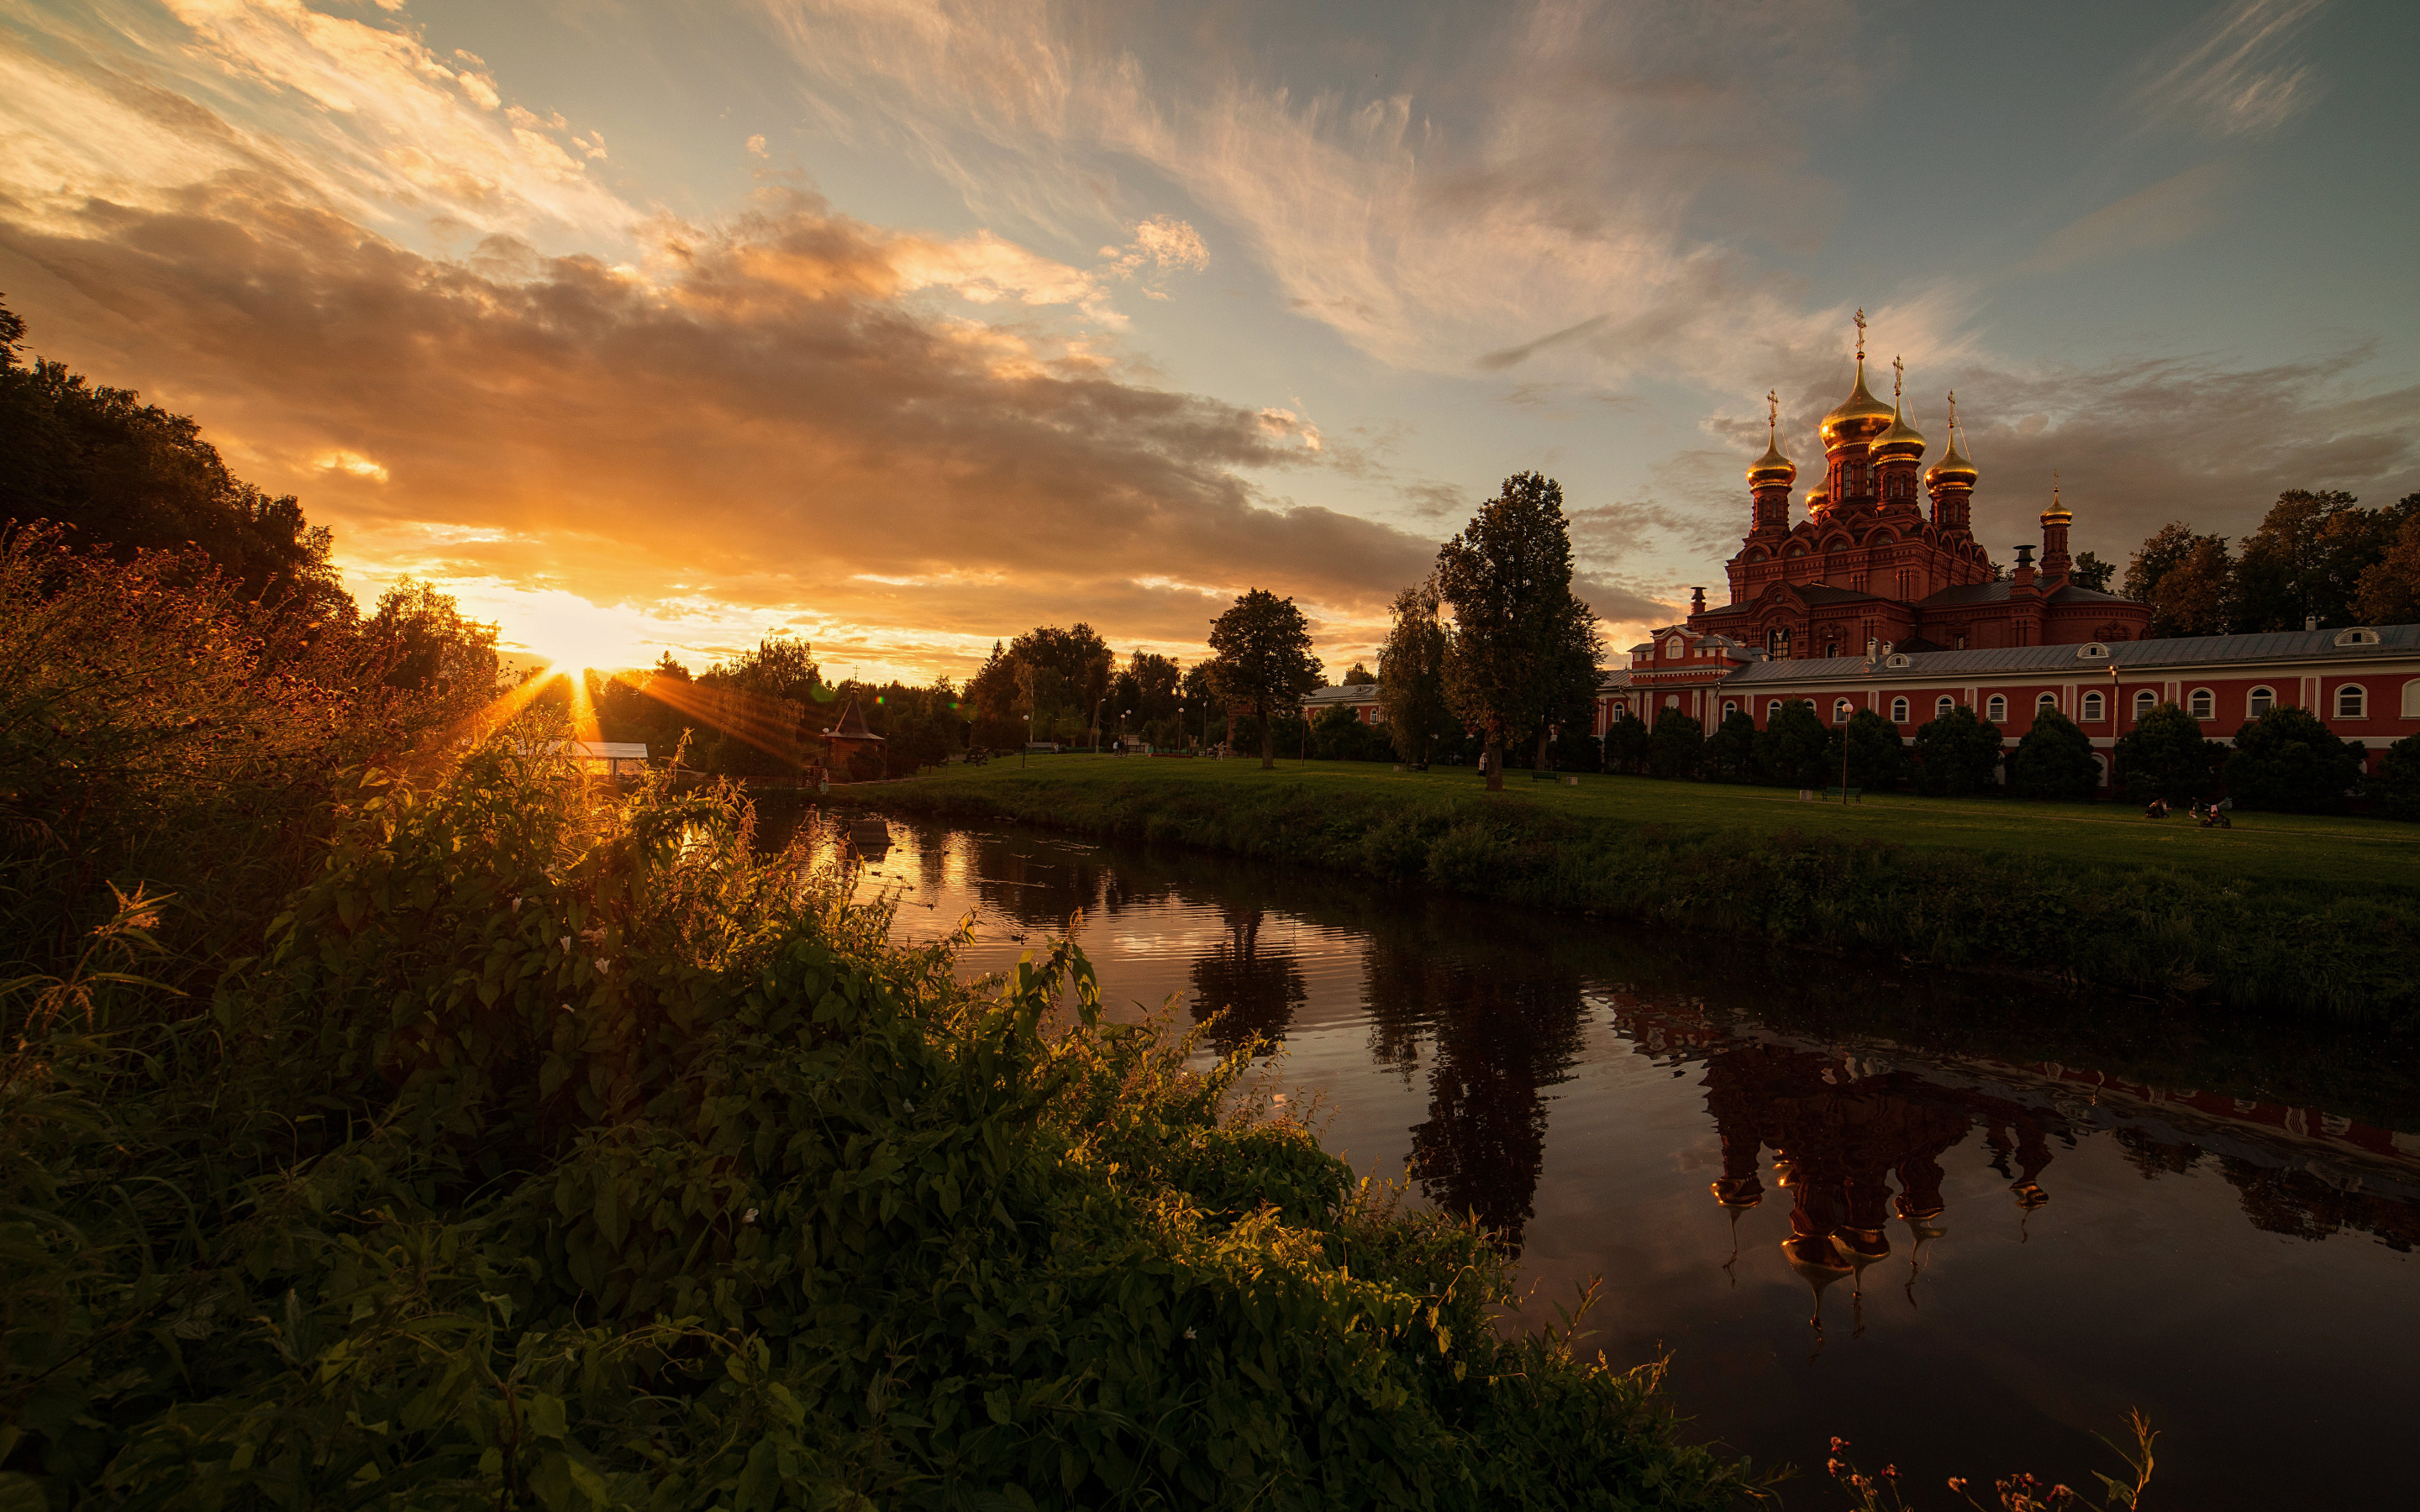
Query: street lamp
point(1023, 749)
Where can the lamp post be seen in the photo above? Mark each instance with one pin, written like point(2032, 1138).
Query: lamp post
point(1025, 748)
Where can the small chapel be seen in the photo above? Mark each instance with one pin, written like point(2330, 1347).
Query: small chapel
point(1870, 566)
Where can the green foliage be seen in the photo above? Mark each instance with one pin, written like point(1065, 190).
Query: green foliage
point(569, 1151)
point(2165, 756)
point(1729, 754)
point(1958, 753)
point(124, 476)
point(1625, 742)
point(1576, 750)
point(1791, 748)
point(2396, 789)
point(1340, 735)
point(2054, 761)
point(1876, 758)
point(2287, 760)
point(1524, 649)
point(1261, 649)
point(2389, 590)
point(1676, 744)
point(1411, 675)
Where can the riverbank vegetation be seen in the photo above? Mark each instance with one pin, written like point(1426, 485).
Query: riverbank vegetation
point(2282, 914)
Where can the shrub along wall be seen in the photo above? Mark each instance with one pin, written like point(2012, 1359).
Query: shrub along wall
point(567, 1153)
point(2282, 949)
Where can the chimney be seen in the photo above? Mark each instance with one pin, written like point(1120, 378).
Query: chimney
point(2022, 579)
point(1697, 602)
point(2310, 622)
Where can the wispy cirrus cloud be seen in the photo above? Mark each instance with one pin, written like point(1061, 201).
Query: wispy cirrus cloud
point(2239, 71)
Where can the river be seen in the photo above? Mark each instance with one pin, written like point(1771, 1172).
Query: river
point(1964, 1225)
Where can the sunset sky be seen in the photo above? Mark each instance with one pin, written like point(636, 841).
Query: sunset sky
point(907, 326)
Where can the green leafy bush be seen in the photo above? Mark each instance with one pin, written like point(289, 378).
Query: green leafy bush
point(2287, 760)
point(1958, 753)
point(567, 1151)
point(2054, 761)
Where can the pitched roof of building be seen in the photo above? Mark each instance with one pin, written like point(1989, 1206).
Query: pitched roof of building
point(1342, 693)
point(1994, 593)
point(2185, 651)
point(852, 724)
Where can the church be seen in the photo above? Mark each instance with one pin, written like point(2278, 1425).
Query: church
point(1871, 566)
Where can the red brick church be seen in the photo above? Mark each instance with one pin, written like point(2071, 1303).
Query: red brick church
point(1870, 565)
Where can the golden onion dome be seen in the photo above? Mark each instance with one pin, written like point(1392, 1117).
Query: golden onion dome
point(1953, 471)
point(1771, 469)
point(1902, 442)
point(2057, 514)
point(1819, 501)
point(1859, 417)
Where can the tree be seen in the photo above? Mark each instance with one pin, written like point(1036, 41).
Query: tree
point(2159, 554)
point(1358, 675)
point(1520, 635)
point(1791, 749)
point(430, 646)
point(2306, 559)
point(2197, 596)
point(1958, 753)
point(993, 696)
point(2165, 756)
point(1146, 690)
point(1625, 744)
point(2389, 591)
point(1065, 674)
point(1730, 755)
point(126, 477)
point(1676, 744)
point(1262, 656)
point(2288, 762)
point(2089, 571)
point(1411, 674)
point(1576, 750)
point(2396, 789)
point(1875, 757)
point(2054, 761)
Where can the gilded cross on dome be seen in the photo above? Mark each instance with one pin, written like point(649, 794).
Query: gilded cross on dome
point(1953, 412)
point(1861, 336)
point(1899, 376)
point(1773, 409)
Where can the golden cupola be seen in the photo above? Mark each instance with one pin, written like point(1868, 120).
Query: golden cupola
point(1860, 417)
point(1953, 471)
point(1902, 443)
point(1771, 469)
point(2057, 514)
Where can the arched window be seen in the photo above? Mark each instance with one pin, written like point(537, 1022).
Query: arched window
point(1730, 706)
point(2352, 701)
point(2048, 701)
point(2203, 704)
point(2260, 702)
point(2411, 700)
point(1996, 710)
point(1899, 711)
point(1773, 710)
point(2092, 708)
point(2145, 702)
point(1839, 711)
point(1942, 705)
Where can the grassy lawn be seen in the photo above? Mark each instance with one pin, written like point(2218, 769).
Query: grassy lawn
point(2354, 853)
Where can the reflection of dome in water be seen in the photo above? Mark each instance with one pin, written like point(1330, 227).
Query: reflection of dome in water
point(2029, 1195)
point(1738, 1193)
point(1863, 1245)
point(1817, 1259)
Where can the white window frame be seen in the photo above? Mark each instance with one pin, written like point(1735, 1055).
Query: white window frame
point(2259, 702)
point(2412, 698)
point(2145, 702)
point(1942, 705)
point(2360, 701)
point(1899, 711)
point(1996, 709)
point(2093, 710)
point(2048, 701)
point(1730, 706)
point(2202, 703)
point(1843, 710)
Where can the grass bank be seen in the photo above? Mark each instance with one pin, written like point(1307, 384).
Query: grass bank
point(563, 1151)
point(2283, 914)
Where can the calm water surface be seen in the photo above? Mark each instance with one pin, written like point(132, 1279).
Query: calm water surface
point(1963, 1227)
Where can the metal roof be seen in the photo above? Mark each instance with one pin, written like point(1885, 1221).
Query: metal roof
point(1995, 593)
point(1342, 693)
point(2187, 650)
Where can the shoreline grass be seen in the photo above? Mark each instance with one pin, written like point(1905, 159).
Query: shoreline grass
point(2283, 914)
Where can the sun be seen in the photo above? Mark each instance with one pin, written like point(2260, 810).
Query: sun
point(572, 634)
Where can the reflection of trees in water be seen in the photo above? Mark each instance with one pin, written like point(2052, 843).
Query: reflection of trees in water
point(1254, 991)
point(1500, 1037)
point(2280, 1200)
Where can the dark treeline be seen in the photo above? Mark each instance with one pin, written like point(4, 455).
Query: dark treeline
point(2316, 557)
